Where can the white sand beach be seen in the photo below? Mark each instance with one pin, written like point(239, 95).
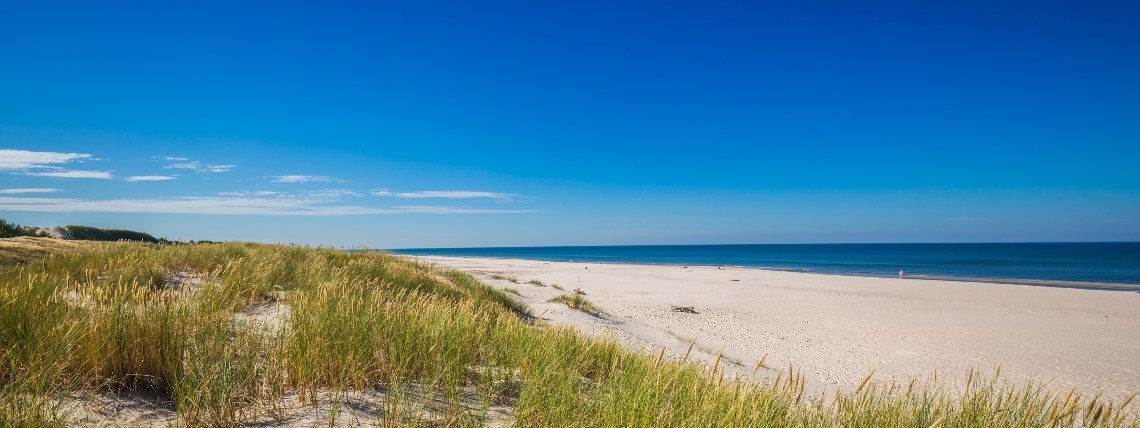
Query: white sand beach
point(836, 329)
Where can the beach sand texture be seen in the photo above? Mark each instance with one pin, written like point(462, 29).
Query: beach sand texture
point(837, 329)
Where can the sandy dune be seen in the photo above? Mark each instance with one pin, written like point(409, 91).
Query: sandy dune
point(836, 329)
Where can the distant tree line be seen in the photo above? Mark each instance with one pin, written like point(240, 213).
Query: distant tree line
point(12, 230)
point(88, 233)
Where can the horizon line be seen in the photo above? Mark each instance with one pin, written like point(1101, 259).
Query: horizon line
point(769, 243)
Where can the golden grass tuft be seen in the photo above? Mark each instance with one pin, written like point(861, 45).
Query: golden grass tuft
point(576, 301)
point(25, 249)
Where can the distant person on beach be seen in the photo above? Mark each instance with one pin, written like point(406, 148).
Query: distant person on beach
point(900, 274)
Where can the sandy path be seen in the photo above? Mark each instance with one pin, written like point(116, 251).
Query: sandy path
point(836, 329)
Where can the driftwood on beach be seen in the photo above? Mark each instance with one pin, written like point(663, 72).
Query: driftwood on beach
point(685, 309)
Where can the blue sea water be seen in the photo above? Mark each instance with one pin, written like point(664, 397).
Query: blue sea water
point(1047, 263)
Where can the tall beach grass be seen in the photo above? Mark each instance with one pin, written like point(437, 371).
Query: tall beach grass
point(437, 346)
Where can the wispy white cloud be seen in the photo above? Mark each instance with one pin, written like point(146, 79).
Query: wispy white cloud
point(220, 168)
point(331, 194)
point(29, 190)
point(313, 196)
point(151, 178)
point(196, 166)
point(426, 209)
point(105, 175)
point(25, 159)
point(301, 179)
point(246, 193)
point(226, 206)
point(448, 194)
point(171, 158)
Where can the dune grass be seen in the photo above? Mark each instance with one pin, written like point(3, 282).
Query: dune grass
point(576, 301)
point(505, 278)
point(111, 317)
point(536, 282)
point(16, 251)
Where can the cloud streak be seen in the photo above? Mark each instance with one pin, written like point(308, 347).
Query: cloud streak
point(301, 202)
point(46, 164)
point(448, 194)
point(24, 159)
point(226, 206)
point(135, 178)
point(103, 175)
point(250, 193)
point(195, 165)
point(301, 179)
point(29, 190)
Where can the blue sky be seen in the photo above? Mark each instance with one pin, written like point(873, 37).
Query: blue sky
point(424, 124)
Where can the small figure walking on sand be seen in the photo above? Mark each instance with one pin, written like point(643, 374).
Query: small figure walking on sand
point(900, 274)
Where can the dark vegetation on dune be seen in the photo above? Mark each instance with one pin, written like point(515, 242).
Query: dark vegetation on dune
point(88, 233)
point(12, 230)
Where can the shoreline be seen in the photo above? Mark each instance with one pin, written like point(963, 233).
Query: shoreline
point(1080, 285)
point(837, 328)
